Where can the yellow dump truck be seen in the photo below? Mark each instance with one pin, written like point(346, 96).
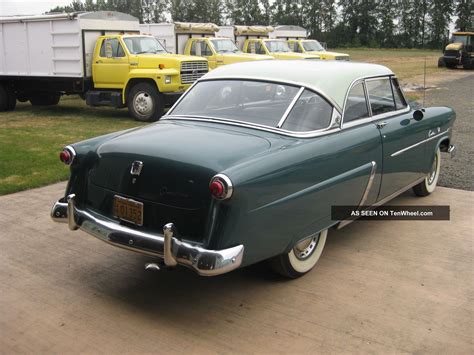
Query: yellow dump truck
point(199, 39)
point(100, 56)
point(256, 40)
point(312, 46)
point(459, 51)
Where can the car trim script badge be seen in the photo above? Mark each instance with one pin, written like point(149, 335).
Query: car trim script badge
point(136, 168)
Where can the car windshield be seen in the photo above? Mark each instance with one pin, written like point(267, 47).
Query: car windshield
point(224, 46)
point(254, 102)
point(140, 45)
point(312, 46)
point(277, 46)
point(459, 39)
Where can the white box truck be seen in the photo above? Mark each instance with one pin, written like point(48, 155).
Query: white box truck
point(100, 56)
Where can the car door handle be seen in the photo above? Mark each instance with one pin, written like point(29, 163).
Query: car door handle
point(98, 62)
point(381, 124)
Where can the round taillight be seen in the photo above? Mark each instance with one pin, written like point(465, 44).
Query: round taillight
point(217, 189)
point(67, 155)
point(221, 187)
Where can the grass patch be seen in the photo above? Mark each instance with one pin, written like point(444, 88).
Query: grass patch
point(405, 63)
point(32, 137)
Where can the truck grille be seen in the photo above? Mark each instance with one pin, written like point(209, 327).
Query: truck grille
point(451, 53)
point(191, 71)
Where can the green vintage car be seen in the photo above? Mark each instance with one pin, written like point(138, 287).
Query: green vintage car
point(248, 163)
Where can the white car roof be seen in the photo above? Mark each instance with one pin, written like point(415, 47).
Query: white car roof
point(331, 78)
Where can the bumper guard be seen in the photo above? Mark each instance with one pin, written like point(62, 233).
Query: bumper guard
point(166, 246)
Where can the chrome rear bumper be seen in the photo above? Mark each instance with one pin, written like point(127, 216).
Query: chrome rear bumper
point(165, 246)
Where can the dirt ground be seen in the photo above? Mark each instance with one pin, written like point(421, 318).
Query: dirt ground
point(456, 90)
point(380, 287)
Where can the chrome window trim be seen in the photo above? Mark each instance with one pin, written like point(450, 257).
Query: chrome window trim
point(283, 82)
point(398, 152)
point(331, 128)
point(372, 118)
point(310, 134)
point(290, 107)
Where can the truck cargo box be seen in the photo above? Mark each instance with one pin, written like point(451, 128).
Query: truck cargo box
point(57, 45)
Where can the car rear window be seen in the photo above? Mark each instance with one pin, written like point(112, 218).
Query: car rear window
point(248, 101)
point(310, 113)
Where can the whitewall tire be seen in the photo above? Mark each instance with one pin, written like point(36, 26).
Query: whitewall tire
point(428, 185)
point(302, 257)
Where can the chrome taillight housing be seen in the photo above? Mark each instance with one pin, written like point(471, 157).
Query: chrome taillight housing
point(67, 155)
point(221, 187)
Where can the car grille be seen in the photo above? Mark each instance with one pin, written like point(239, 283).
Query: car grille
point(191, 71)
point(451, 53)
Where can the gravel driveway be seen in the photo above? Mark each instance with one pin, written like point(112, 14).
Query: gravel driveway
point(458, 172)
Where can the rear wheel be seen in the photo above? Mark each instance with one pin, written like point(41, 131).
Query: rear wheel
point(428, 185)
point(302, 258)
point(44, 99)
point(3, 98)
point(145, 103)
point(441, 62)
point(11, 99)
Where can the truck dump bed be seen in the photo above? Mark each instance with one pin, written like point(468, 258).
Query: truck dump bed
point(58, 45)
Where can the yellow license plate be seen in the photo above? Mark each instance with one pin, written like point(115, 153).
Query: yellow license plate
point(128, 210)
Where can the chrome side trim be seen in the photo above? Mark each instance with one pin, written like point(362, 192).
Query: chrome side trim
point(369, 184)
point(398, 152)
point(370, 181)
point(399, 192)
point(383, 201)
point(290, 107)
point(312, 134)
point(165, 246)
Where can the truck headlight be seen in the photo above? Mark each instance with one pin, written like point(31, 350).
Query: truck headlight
point(167, 79)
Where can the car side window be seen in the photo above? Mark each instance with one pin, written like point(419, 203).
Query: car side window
point(310, 113)
point(193, 48)
point(259, 48)
point(400, 102)
point(111, 48)
point(380, 96)
point(356, 104)
point(205, 49)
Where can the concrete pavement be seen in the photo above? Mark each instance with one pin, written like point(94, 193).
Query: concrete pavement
point(380, 286)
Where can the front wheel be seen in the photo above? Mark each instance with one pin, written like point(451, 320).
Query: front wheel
point(145, 103)
point(428, 185)
point(302, 258)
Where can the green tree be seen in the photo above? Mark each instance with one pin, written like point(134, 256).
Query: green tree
point(248, 12)
point(387, 12)
point(287, 12)
point(440, 12)
point(464, 12)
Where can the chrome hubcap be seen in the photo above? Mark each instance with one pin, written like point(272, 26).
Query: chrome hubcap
point(143, 103)
point(305, 248)
point(432, 173)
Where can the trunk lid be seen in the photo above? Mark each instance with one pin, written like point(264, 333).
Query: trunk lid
point(179, 159)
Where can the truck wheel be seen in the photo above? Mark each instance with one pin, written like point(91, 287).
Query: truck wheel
point(302, 258)
point(44, 99)
point(145, 103)
point(11, 99)
point(441, 62)
point(3, 99)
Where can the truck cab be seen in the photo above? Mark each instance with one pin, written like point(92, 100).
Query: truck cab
point(277, 48)
point(146, 78)
point(312, 46)
point(220, 51)
point(459, 51)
